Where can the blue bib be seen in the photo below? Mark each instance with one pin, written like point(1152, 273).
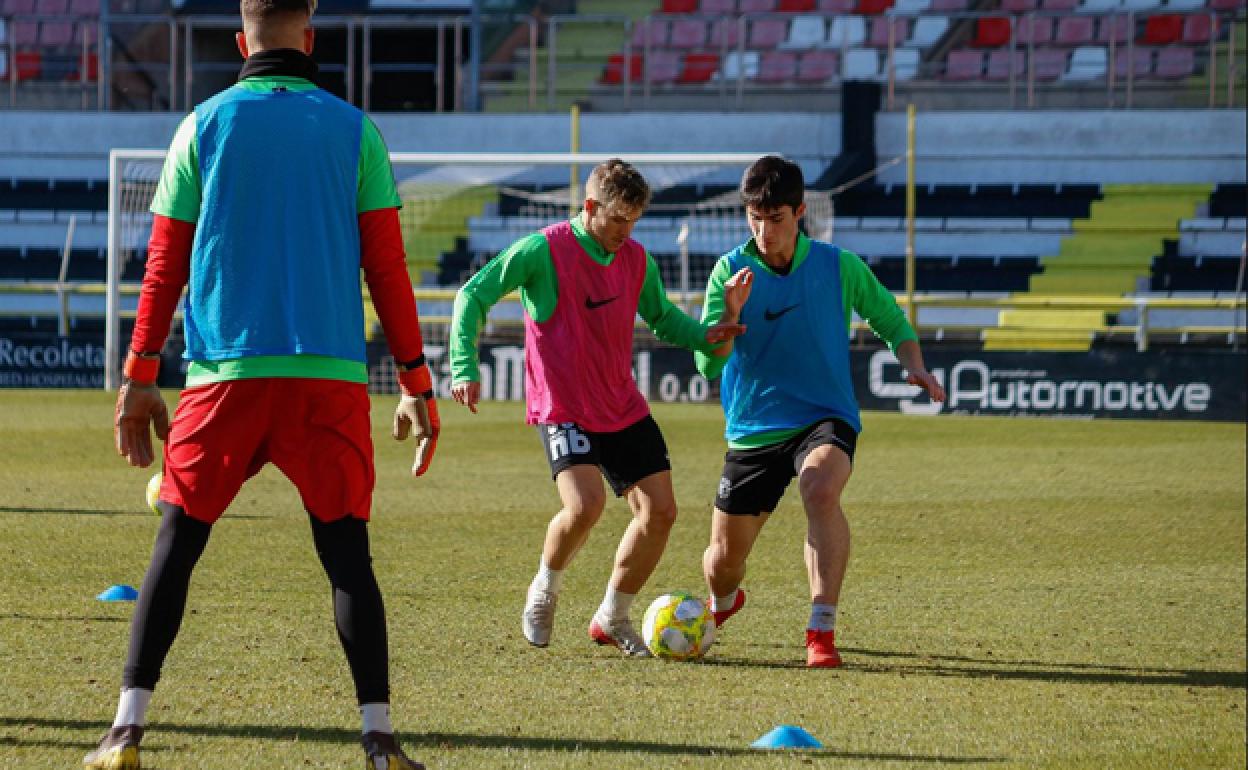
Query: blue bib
point(791, 367)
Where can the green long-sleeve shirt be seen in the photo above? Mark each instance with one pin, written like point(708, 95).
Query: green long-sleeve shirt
point(526, 265)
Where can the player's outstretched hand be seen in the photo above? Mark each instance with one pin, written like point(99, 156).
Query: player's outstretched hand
point(722, 332)
point(737, 291)
point(418, 416)
point(467, 393)
point(926, 381)
point(139, 407)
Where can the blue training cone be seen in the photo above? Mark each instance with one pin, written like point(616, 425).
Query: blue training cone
point(118, 593)
point(787, 737)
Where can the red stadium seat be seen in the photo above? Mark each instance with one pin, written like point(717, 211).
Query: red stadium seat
point(767, 33)
point(1018, 6)
point(1059, 5)
point(1075, 30)
point(718, 6)
point(688, 33)
point(1139, 65)
point(991, 33)
point(878, 36)
point(964, 64)
point(1037, 30)
point(614, 73)
point(817, 66)
point(1197, 29)
point(873, 7)
point(652, 30)
point(1113, 29)
point(777, 67)
point(17, 7)
point(795, 6)
point(28, 65)
point(1049, 63)
point(664, 67)
point(51, 7)
point(1175, 61)
point(680, 6)
point(699, 67)
point(999, 64)
point(1228, 5)
point(1162, 29)
point(56, 34)
point(757, 6)
point(725, 33)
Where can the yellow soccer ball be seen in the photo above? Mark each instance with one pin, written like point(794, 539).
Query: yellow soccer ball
point(153, 492)
point(678, 626)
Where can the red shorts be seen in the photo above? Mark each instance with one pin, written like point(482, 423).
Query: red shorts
point(317, 432)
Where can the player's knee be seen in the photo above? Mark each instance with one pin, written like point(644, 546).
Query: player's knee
point(586, 508)
point(659, 515)
point(820, 491)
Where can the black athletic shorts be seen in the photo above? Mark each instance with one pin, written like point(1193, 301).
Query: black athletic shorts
point(624, 456)
point(754, 480)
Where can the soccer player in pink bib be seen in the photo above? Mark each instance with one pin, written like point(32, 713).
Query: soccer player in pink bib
point(582, 283)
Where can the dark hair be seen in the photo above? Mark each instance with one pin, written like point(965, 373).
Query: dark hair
point(771, 182)
point(619, 182)
point(264, 9)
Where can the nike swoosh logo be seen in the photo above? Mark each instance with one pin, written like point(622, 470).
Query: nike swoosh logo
point(594, 304)
point(771, 315)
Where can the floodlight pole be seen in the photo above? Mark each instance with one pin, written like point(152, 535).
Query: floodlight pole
point(911, 312)
point(574, 171)
point(474, 59)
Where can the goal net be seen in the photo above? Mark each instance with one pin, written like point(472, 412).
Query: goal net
point(460, 210)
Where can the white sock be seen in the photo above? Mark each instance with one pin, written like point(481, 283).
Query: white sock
point(822, 617)
point(616, 604)
point(132, 707)
point(376, 717)
point(721, 603)
point(548, 579)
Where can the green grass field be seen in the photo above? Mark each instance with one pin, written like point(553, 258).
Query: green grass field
point(1023, 593)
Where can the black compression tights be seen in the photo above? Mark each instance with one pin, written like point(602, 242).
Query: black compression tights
point(343, 549)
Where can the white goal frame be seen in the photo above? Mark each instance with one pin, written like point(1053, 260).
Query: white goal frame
point(579, 162)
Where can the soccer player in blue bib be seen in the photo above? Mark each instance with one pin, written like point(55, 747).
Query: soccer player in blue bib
point(787, 395)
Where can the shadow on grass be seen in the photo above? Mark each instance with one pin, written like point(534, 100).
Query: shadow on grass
point(446, 741)
point(92, 618)
point(989, 668)
point(49, 511)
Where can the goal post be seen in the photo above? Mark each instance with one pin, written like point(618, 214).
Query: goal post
point(461, 209)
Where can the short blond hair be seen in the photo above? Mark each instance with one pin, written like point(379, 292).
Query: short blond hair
point(614, 181)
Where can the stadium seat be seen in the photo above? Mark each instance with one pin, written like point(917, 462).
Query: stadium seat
point(1075, 30)
point(84, 7)
point(1059, 5)
point(1197, 29)
point(873, 7)
point(777, 67)
point(725, 33)
point(905, 64)
point(949, 6)
point(1114, 29)
point(1097, 6)
point(1228, 5)
point(717, 6)
point(861, 64)
point(1175, 61)
point(680, 6)
point(911, 7)
point(835, 6)
point(806, 32)
point(1140, 5)
point(614, 72)
point(1048, 63)
point(964, 64)
point(650, 31)
point(17, 7)
point(56, 34)
point(1139, 65)
point(738, 65)
point(25, 34)
point(1186, 5)
point(795, 6)
point(1162, 29)
point(757, 6)
point(991, 33)
point(928, 30)
point(1018, 6)
point(51, 7)
point(817, 66)
point(663, 66)
point(92, 65)
point(1036, 30)
point(1088, 62)
point(28, 65)
point(847, 31)
point(878, 36)
point(999, 64)
point(766, 33)
point(699, 67)
point(687, 33)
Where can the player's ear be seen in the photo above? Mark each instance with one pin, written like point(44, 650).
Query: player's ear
point(241, 41)
point(800, 211)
